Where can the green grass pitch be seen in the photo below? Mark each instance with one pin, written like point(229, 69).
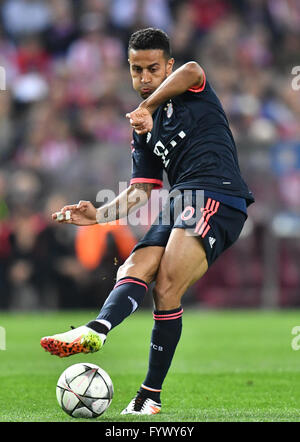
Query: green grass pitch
point(229, 366)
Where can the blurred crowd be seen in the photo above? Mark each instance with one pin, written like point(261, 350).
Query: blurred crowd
point(64, 136)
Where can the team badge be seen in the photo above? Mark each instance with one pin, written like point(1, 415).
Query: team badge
point(170, 110)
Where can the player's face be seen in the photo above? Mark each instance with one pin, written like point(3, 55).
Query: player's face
point(148, 69)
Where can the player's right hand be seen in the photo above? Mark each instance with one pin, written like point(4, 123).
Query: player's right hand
point(140, 120)
point(81, 214)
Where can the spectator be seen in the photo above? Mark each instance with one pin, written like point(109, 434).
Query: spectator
point(61, 276)
point(127, 16)
point(62, 30)
point(25, 17)
point(49, 149)
point(23, 262)
point(101, 249)
point(89, 57)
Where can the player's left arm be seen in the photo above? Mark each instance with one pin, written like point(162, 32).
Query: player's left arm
point(188, 76)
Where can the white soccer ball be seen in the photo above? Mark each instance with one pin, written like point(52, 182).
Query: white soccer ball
point(84, 390)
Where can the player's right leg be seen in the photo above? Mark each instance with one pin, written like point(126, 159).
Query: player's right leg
point(128, 293)
point(183, 263)
point(186, 259)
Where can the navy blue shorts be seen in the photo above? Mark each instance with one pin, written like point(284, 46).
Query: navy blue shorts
point(217, 225)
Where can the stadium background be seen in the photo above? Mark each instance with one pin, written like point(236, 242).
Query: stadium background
point(64, 137)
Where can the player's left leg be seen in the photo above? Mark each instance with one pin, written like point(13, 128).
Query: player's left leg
point(183, 263)
point(126, 296)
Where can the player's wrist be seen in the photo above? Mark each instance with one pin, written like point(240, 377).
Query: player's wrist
point(105, 215)
point(93, 217)
point(99, 216)
point(146, 105)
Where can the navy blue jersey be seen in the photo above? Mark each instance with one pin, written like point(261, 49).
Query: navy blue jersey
point(190, 140)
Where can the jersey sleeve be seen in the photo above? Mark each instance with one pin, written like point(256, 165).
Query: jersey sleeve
point(201, 87)
point(146, 168)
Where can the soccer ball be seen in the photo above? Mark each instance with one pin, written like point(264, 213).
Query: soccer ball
point(84, 390)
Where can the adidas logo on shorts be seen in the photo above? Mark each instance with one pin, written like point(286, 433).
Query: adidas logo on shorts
point(211, 241)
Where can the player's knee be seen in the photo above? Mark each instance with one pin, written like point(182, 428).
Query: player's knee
point(123, 270)
point(142, 269)
point(121, 273)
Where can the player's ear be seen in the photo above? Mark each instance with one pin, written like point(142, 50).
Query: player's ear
point(170, 64)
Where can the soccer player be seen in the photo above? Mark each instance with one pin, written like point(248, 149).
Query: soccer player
point(180, 127)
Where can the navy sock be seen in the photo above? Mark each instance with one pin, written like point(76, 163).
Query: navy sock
point(165, 337)
point(126, 296)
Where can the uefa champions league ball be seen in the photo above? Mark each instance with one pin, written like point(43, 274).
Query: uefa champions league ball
point(84, 390)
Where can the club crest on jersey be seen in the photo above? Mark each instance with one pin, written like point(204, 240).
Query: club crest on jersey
point(170, 110)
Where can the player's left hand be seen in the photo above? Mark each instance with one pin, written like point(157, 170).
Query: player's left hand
point(141, 120)
point(81, 214)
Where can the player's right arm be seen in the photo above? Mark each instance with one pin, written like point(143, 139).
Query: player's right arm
point(86, 214)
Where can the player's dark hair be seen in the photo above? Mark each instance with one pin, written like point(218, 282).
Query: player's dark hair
point(150, 38)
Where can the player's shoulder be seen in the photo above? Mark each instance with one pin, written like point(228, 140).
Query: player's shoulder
point(202, 93)
point(195, 93)
point(198, 88)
